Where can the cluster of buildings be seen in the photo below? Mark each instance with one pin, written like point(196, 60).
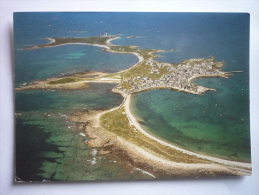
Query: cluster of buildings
point(176, 76)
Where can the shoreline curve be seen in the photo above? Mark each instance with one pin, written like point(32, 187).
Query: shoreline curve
point(133, 121)
point(237, 166)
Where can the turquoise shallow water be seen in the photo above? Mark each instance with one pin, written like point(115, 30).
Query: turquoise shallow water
point(98, 96)
point(214, 124)
point(51, 62)
point(47, 149)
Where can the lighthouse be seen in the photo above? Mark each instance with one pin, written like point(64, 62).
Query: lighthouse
point(103, 35)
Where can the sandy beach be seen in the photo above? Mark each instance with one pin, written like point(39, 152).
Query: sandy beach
point(88, 122)
point(100, 137)
point(45, 84)
point(109, 41)
point(51, 40)
point(134, 122)
point(140, 58)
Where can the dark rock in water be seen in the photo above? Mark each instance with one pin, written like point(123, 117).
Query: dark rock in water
point(142, 122)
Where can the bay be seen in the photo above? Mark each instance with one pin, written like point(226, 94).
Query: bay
point(61, 153)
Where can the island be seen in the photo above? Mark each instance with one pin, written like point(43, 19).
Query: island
point(117, 130)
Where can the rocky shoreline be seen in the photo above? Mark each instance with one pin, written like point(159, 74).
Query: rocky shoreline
point(110, 144)
point(89, 123)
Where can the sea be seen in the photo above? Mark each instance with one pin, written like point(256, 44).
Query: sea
point(214, 124)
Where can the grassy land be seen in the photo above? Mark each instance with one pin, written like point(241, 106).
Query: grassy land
point(114, 76)
point(87, 40)
point(141, 68)
point(92, 40)
point(117, 123)
point(133, 72)
point(63, 81)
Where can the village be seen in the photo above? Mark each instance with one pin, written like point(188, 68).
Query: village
point(174, 76)
point(145, 75)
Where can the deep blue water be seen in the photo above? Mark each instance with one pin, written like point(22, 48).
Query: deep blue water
point(193, 35)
